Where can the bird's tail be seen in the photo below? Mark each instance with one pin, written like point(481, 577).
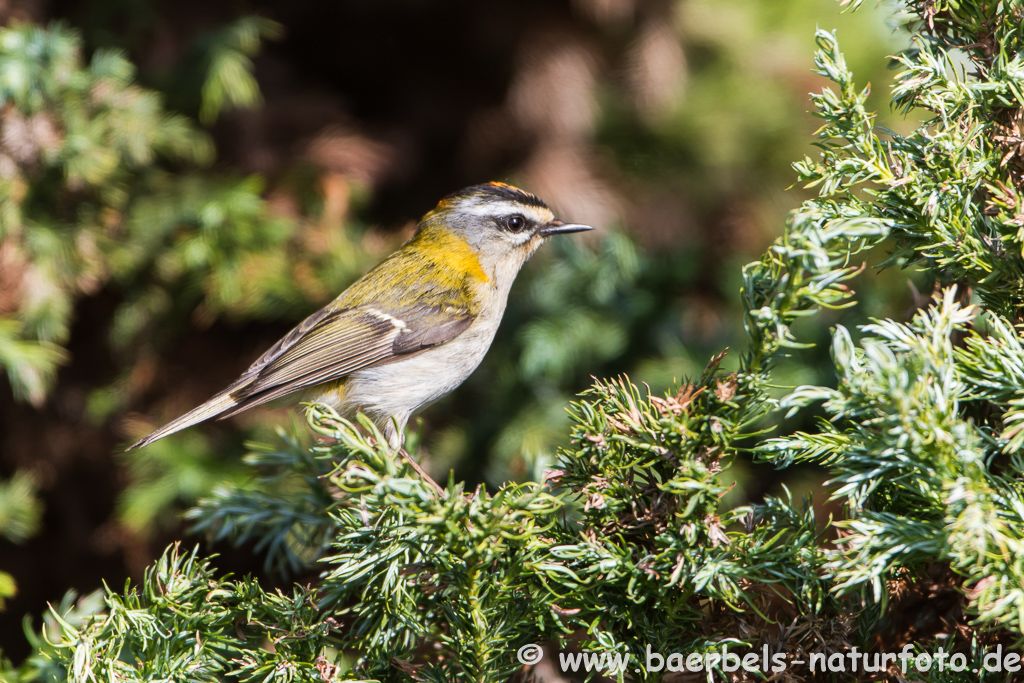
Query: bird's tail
point(215, 406)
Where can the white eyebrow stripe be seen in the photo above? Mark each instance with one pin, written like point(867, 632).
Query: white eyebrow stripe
point(381, 315)
point(506, 208)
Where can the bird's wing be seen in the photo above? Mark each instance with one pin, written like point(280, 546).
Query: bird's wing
point(347, 341)
point(346, 335)
point(327, 346)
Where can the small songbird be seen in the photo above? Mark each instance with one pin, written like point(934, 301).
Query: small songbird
point(410, 330)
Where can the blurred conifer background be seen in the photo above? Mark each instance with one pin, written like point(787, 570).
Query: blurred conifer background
point(182, 182)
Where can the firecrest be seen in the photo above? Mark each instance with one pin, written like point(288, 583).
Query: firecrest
point(410, 330)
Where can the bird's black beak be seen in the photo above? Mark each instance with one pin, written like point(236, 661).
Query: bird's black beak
point(561, 227)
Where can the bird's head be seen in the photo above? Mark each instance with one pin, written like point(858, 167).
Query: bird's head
point(503, 224)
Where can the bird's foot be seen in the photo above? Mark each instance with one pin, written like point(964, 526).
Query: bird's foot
point(423, 473)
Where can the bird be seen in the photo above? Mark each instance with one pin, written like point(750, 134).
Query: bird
point(411, 329)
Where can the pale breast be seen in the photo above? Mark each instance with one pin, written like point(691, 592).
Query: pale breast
point(399, 388)
point(393, 391)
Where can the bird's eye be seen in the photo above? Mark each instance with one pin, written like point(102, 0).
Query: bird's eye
point(515, 222)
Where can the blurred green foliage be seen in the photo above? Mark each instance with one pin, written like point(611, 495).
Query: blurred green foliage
point(20, 508)
point(69, 130)
point(21, 513)
point(229, 81)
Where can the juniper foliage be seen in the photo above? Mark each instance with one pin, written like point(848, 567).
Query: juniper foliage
point(625, 544)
